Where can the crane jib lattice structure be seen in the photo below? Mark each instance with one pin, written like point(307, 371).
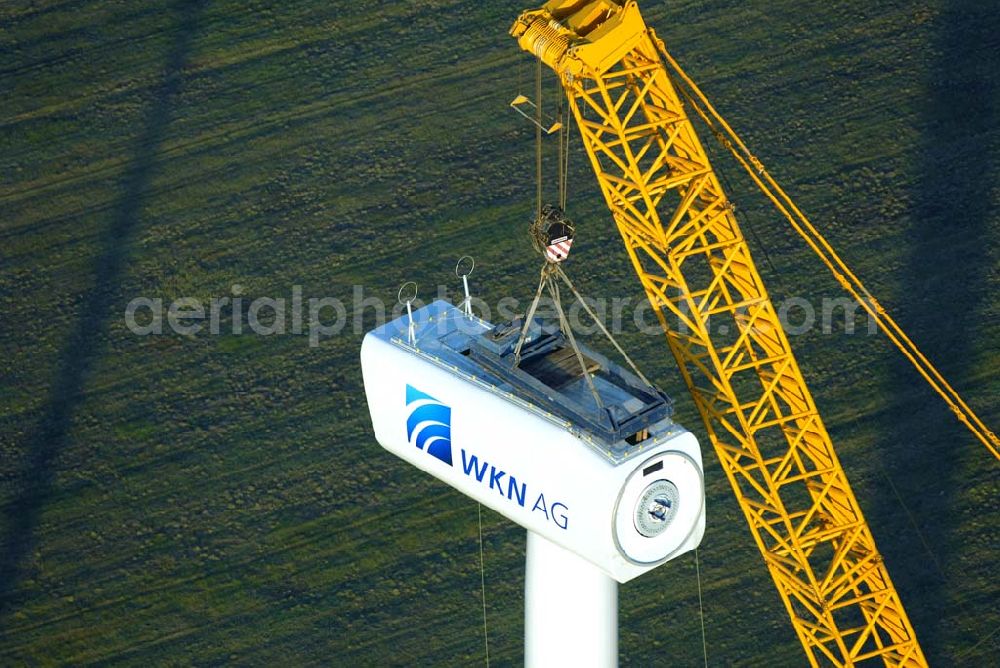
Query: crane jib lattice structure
point(689, 253)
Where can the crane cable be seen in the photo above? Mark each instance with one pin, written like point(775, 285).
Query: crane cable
point(701, 609)
point(562, 138)
point(933, 558)
point(482, 582)
point(805, 229)
point(538, 139)
point(563, 119)
point(562, 164)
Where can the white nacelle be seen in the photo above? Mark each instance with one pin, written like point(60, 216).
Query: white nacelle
point(626, 517)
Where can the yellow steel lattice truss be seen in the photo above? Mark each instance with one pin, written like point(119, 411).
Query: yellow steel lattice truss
point(690, 255)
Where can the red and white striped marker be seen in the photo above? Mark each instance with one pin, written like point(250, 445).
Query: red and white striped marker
point(558, 249)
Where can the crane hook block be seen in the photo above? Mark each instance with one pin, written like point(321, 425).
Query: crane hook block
point(552, 233)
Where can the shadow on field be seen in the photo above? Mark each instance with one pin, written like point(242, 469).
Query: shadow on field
point(945, 279)
point(84, 343)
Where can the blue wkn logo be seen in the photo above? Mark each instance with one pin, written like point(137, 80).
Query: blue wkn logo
point(429, 424)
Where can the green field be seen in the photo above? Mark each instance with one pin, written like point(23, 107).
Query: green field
point(212, 499)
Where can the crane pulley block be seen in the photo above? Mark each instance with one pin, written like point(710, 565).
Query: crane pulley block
point(552, 233)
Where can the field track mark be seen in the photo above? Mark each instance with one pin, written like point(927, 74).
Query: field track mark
point(243, 56)
point(36, 67)
point(236, 131)
point(228, 565)
point(47, 9)
point(110, 166)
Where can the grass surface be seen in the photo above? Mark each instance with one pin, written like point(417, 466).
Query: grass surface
point(208, 499)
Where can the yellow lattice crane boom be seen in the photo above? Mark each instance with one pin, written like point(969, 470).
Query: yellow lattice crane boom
point(688, 251)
